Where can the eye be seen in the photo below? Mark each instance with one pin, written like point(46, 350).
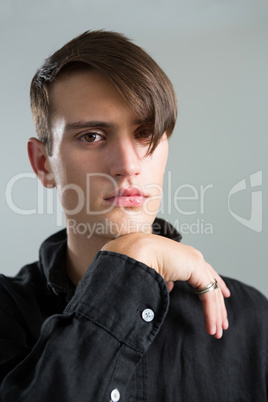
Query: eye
point(144, 136)
point(91, 137)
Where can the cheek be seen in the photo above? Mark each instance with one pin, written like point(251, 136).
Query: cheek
point(159, 160)
point(164, 153)
point(67, 169)
point(72, 198)
point(61, 173)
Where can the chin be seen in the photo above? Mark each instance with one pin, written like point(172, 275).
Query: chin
point(132, 224)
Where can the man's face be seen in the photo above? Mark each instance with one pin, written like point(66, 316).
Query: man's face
point(99, 163)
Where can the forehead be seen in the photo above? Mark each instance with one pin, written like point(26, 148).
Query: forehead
point(87, 91)
point(82, 84)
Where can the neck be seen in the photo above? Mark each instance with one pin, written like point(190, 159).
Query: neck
point(80, 253)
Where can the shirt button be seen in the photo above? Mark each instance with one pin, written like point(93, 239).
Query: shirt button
point(148, 315)
point(115, 395)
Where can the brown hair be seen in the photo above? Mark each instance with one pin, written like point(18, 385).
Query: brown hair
point(141, 82)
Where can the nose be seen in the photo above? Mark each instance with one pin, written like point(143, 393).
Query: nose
point(124, 159)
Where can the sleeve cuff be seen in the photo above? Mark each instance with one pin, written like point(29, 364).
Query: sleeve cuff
point(121, 295)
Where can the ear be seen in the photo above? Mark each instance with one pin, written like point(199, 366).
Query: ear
point(39, 160)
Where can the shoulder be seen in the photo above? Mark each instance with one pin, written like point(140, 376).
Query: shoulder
point(29, 280)
point(246, 302)
point(18, 298)
point(245, 294)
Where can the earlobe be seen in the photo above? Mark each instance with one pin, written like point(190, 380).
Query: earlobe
point(37, 154)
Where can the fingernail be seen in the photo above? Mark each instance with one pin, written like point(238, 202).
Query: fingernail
point(214, 330)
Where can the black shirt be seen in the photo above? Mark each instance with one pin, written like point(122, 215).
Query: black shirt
point(120, 335)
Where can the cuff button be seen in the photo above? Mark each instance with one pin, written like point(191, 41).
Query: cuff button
point(147, 315)
point(115, 395)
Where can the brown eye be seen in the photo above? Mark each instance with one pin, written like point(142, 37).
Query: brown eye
point(90, 137)
point(145, 134)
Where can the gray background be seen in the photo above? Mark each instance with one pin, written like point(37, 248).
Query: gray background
point(215, 53)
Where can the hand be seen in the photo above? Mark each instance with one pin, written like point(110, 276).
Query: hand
point(178, 262)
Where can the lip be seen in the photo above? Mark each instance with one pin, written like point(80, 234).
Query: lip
point(127, 197)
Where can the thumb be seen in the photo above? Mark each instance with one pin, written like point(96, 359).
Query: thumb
point(170, 285)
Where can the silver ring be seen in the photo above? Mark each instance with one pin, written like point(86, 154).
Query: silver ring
point(208, 288)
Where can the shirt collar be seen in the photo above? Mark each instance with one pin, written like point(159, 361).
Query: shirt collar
point(52, 257)
point(162, 227)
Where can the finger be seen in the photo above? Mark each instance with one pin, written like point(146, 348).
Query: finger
point(220, 311)
point(212, 301)
point(225, 322)
point(225, 290)
point(209, 305)
point(170, 285)
point(214, 312)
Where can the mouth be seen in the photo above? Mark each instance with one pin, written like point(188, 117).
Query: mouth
point(127, 197)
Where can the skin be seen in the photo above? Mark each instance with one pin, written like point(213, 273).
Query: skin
point(96, 133)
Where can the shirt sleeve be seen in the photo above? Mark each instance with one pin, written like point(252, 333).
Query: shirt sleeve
point(90, 352)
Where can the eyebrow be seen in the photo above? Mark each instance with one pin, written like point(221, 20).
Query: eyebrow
point(77, 125)
point(87, 124)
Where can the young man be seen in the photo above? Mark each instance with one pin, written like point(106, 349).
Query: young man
point(93, 319)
